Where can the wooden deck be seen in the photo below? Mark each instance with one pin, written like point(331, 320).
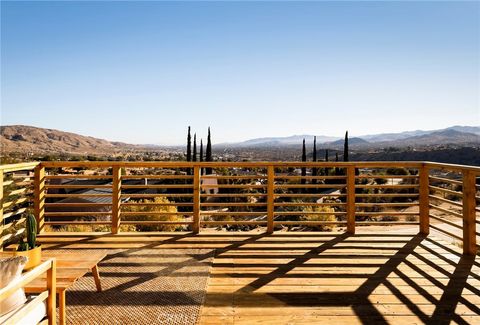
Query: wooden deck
point(375, 276)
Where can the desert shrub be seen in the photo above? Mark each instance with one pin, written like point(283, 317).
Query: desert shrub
point(380, 181)
point(397, 171)
point(322, 213)
point(153, 217)
point(456, 187)
point(452, 197)
point(389, 218)
point(363, 181)
point(411, 218)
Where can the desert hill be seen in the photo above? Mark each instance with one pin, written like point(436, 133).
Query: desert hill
point(29, 139)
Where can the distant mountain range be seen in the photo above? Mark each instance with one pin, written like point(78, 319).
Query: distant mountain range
point(383, 137)
point(453, 135)
point(29, 139)
point(280, 141)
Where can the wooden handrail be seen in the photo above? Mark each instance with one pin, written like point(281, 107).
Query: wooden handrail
point(218, 164)
point(266, 189)
point(456, 167)
point(18, 167)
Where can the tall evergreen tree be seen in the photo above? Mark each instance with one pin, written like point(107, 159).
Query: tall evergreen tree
point(208, 151)
point(314, 157)
point(345, 147)
point(304, 158)
point(326, 159)
point(189, 146)
point(194, 157)
point(201, 155)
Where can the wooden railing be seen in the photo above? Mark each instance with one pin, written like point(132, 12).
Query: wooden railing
point(16, 199)
point(118, 196)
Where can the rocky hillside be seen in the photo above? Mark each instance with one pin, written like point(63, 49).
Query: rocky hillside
point(29, 139)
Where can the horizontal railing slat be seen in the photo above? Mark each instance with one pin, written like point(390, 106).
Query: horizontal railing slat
point(450, 212)
point(274, 187)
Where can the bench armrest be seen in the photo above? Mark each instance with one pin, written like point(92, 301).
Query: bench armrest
point(48, 266)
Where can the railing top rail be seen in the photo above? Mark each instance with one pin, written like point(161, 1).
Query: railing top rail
point(18, 167)
point(256, 164)
point(456, 167)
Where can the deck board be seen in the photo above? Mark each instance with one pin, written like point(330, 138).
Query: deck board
point(389, 277)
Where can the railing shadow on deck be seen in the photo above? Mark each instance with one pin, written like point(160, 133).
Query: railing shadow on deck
point(412, 249)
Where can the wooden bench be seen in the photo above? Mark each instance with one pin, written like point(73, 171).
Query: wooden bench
point(46, 270)
point(71, 266)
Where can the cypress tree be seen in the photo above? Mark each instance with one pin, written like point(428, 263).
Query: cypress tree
point(189, 146)
point(208, 151)
point(194, 157)
point(326, 159)
point(314, 156)
point(345, 147)
point(209, 147)
point(304, 158)
point(201, 155)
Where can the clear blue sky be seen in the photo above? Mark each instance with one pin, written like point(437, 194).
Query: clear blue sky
point(141, 72)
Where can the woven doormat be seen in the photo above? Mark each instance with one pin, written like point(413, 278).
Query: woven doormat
point(143, 286)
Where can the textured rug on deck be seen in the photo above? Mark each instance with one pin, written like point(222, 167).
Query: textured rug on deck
point(143, 286)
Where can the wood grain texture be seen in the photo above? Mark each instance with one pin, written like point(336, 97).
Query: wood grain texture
point(469, 205)
point(373, 277)
point(116, 198)
point(351, 200)
point(39, 197)
point(196, 200)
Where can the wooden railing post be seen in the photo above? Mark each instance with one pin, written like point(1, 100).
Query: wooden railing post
point(270, 197)
point(52, 292)
point(351, 200)
point(424, 201)
point(116, 198)
point(469, 204)
point(196, 200)
point(1, 210)
point(39, 196)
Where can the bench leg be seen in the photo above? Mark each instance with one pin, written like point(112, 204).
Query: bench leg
point(61, 307)
point(96, 277)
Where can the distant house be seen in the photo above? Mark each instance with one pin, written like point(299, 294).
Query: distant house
point(210, 185)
